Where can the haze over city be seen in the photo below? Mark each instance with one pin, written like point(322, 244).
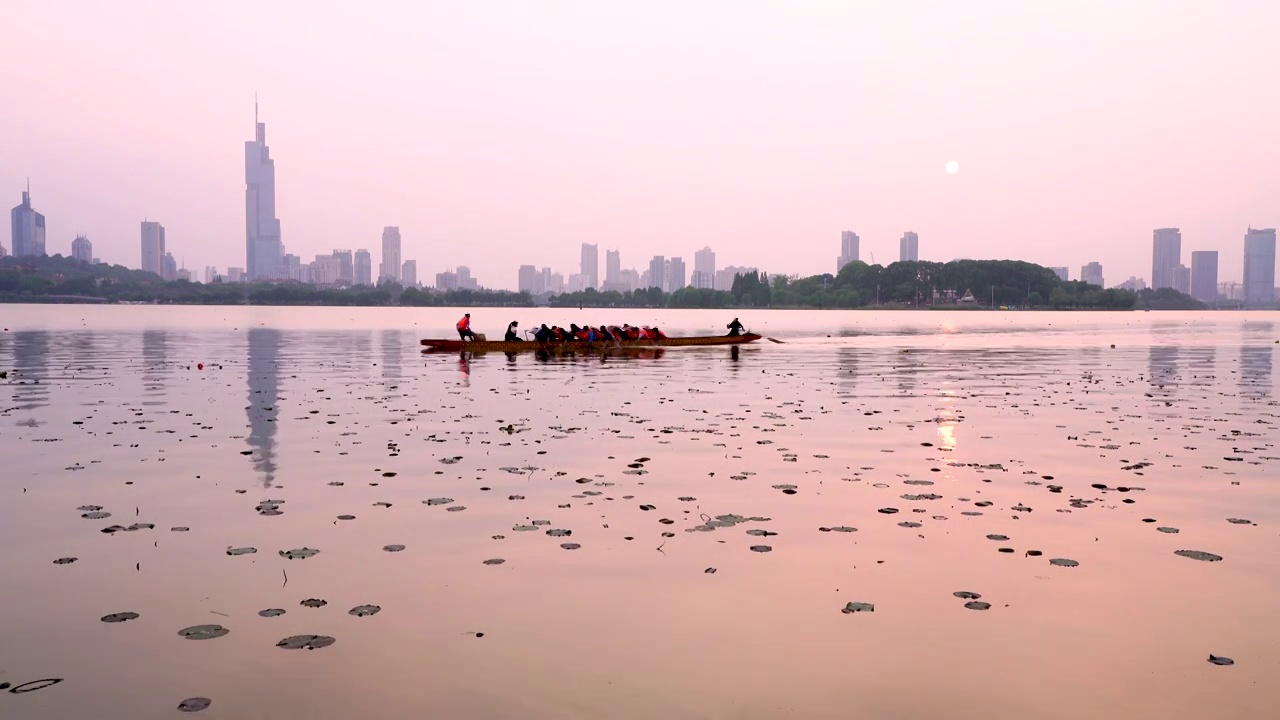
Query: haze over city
point(507, 133)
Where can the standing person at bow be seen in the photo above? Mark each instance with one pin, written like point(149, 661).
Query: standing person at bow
point(464, 328)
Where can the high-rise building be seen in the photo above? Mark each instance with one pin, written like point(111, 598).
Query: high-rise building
point(1166, 256)
point(184, 274)
point(612, 265)
point(704, 262)
point(590, 266)
point(1204, 275)
point(263, 249)
point(848, 249)
point(909, 248)
point(210, 274)
point(363, 267)
point(235, 274)
point(1259, 266)
point(391, 265)
point(28, 228)
point(1133, 283)
point(82, 249)
point(326, 270)
point(629, 279)
point(657, 271)
point(545, 284)
point(409, 273)
point(3, 251)
point(346, 266)
point(725, 277)
point(446, 280)
point(465, 281)
point(1062, 273)
point(1182, 279)
point(528, 279)
point(1092, 274)
point(153, 247)
point(676, 274)
point(702, 280)
point(169, 268)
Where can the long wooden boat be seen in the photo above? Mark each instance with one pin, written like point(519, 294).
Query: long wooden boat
point(447, 345)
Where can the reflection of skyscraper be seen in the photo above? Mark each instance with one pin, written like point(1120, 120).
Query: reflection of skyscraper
point(1256, 360)
point(155, 355)
point(263, 248)
point(30, 361)
point(264, 393)
point(1162, 370)
point(392, 353)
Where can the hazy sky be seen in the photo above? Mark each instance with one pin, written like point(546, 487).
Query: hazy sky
point(496, 133)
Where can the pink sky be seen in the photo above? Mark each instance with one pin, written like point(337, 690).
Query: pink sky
point(498, 133)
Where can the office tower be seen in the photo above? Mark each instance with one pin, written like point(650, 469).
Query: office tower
point(363, 267)
point(657, 272)
point(153, 247)
point(169, 268)
point(291, 268)
point(235, 274)
point(1133, 283)
point(590, 266)
point(28, 228)
point(704, 262)
point(446, 281)
point(1204, 275)
point(612, 265)
point(545, 284)
point(676, 274)
point(346, 266)
point(909, 248)
point(848, 249)
point(82, 249)
point(465, 281)
point(409, 273)
point(390, 270)
point(701, 280)
point(1166, 256)
point(263, 249)
point(555, 283)
point(528, 279)
point(1092, 274)
point(1259, 266)
point(629, 280)
point(1183, 279)
point(210, 274)
point(326, 270)
point(1061, 272)
point(184, 274)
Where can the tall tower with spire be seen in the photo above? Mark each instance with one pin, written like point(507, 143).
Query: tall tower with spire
point(263, 249)
point(28, 227)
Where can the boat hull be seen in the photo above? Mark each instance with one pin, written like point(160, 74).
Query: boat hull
point(447, 345)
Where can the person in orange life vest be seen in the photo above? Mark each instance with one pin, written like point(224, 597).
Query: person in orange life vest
point(464, 328)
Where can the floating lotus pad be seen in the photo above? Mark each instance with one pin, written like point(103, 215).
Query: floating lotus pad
point(570, 546)
point(1239, 521)
point(524, 528)
point(306, 642)
point(203, 632)
point(438, 501)
point(194, 704)
point(64, 561)
point(1198, 555)
point(762, 548)
point(365, 610)
point(299, 554)
point(1219, 660)
point(120, 617)
point(761, 532)
point(978, 605)
point(271, 612)
point(998, 538)
point(180, 528)
point(1170, 530)
point(494, 561)
point(346, 517)
point(455, 508)
point(966, 595)
point(89, 508)
point(314, 603)
point(96, 515)
point(855, 607)
point(558, 532)
point(393, 548)
point(241, 551)
point(1063, 562)
point(839, 529)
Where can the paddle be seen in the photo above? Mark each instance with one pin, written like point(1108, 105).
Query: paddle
point(775, 340)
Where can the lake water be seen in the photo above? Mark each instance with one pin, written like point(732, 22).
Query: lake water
point(624, 496)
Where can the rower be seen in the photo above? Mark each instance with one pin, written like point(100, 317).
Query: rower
point(543, 334)
point(735, 328)
point(464, 328)
point(511, 333)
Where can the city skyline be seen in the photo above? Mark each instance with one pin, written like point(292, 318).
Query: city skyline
point(749, 150)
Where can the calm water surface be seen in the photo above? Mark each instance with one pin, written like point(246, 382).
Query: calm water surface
point(983, 431)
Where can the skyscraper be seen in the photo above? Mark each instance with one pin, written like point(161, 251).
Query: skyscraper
point(153, 247)
point(704, 264)
point(1204, 275)
point(528, 279)
point(28, 228)
point(390, 270)
point(909, 247)
point(676, 274)
point(409, 273)
point(1259, 266)
point(346, 266)
point(363, 267)
point(848, 249)
point(1092, 274)
point(168, 267)
point(1062, 273)
point(612, 266)
point(657, 271)
point(1182, 279)
point(1166, 256)
point(3, 251)
point(263, 250)
point(82, 249)
point(590, 266)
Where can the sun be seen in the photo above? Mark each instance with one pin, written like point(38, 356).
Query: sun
point(953, 167)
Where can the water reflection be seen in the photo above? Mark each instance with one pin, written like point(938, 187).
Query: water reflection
point(30, 370)
point(392, 352)
point(1255, 370)
point(264, 394)
point(155, 357)
point(1162, 370)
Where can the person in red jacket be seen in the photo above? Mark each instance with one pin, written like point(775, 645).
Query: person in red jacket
point(464, 328)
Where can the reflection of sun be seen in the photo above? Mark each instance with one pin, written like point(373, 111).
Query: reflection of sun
point(947, 434)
